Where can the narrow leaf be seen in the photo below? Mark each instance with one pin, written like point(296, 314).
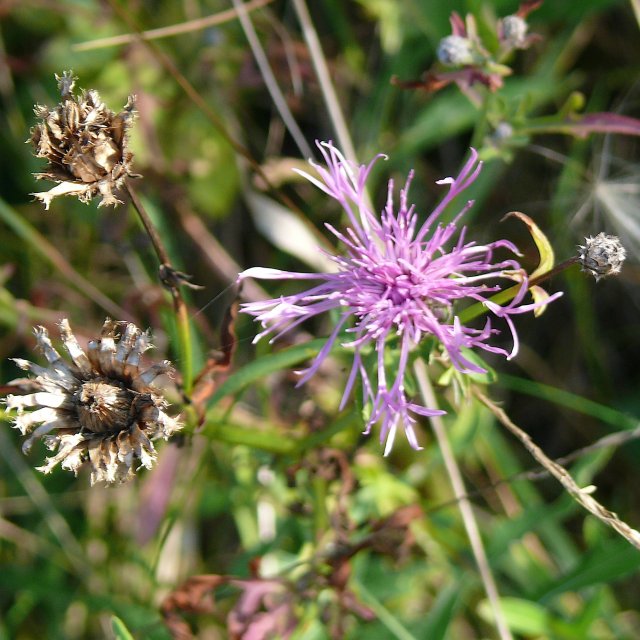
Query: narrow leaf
point(120, 631)
point(264, 366)
point(523, 616)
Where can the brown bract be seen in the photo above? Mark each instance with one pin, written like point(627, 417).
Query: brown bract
point(100, 409)
point(85, 145)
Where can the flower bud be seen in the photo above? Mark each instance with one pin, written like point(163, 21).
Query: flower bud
point(514, 31)
point(455, 51)
point(602, 256)
point(85, 144)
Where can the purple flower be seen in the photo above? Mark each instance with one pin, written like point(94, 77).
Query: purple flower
point(396, 282)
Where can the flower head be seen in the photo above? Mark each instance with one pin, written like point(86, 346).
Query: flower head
point(101, 408)
point(85, 144)
point(513, 31)
point(602, 255)
point(397, 282)
point(455, 51)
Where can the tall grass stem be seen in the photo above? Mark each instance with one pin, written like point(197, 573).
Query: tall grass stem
point(460, 492)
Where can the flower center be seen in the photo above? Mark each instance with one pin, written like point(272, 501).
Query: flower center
point(103, 406)
point(403, 288)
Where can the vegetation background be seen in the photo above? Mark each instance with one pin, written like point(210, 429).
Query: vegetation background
point(279, 478)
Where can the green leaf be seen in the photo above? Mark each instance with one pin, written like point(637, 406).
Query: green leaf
point(567, 399)
point(310, 628)
point(449, 113)
point(441, 613)
point(611, 561)
point(120, 631)
point(513, 529)
point(395, 628)
point(264, 366)
point(522, 616)
point(451, 374)
point(33, 238)
point(488, 377)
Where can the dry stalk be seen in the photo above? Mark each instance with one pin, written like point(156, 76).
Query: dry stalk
point(610, 441)
point(581, 496)
point(173, 30)
point(464, 505)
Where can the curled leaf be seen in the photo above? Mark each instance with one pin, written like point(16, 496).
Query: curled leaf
point(539, 295)
point(547, 258)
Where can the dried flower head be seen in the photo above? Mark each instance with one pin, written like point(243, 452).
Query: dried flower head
point(85, 144)
point(100, 408)
point(398, 282)
point(602, 255)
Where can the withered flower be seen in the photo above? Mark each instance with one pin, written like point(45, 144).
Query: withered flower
point(101, 408)
point(85, 144)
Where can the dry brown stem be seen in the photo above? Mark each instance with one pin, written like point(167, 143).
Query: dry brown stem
point(581, 496)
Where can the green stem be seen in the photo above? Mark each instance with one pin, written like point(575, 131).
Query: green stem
point(506, 295)
point(268, 440)
point(186, 348)
point(169, 278)
point(320, 515)
point(217, 427)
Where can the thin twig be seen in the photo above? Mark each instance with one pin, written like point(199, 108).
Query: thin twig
point(324, 78)
point(329, 94)
point(149, 227)
point(554, 271)
point(169, 65)
point(173, 30)
point(209, 112)
point(270, 80)
point(581, 496)
point(465, 507)
point(609, 441)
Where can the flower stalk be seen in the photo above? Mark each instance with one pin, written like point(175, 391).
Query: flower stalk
point(460, 492)
point(171, 279)
point(506, 295)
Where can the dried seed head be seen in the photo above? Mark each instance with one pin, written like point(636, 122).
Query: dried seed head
point(514, 31)
point(85, 144)
point(602, 256)
point(455, 51)
point(100, 408)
